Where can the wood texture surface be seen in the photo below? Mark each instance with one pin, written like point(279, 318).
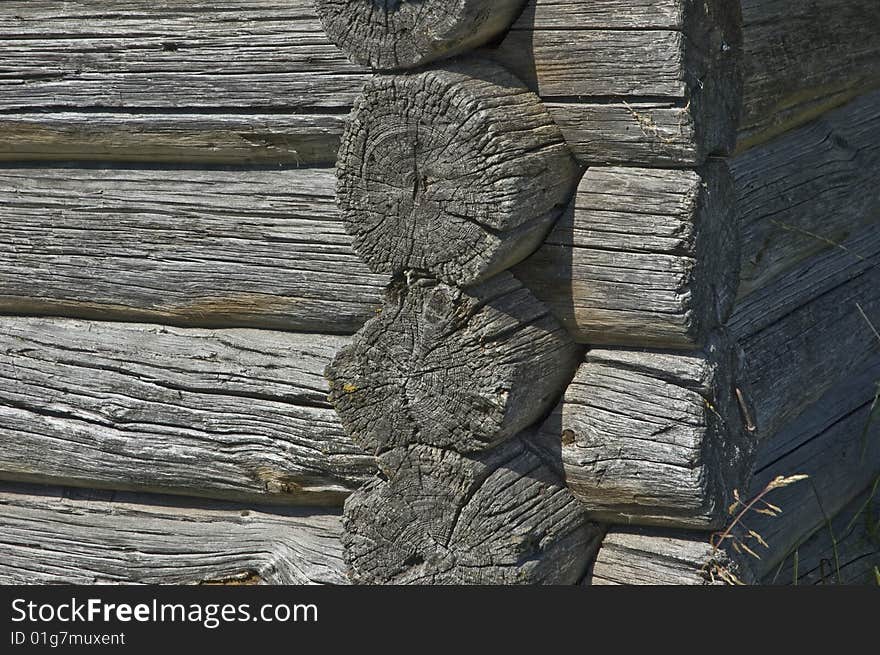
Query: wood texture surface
point(63, 536)
point(146, 60)
point(402, 35)
point(801, 59)
point(454, 368)
point(455, 170)
point(437, 517)
point(641, 256)
point(188, 247)
point(656, 438)
point(228, 413)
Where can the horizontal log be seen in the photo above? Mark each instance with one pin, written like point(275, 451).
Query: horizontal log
point(809, 192)
point(846, 550)
point(185, 247)
point(228, 414)
point(150, 59)
point(655, 438)
point(642, 256)
point(169, 138)
point(833, 442)
point(463, 369)
point(437, 517)
point(794, 360)
point(51, 535)
point(802, 58)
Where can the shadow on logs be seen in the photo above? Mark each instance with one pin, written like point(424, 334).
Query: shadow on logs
point(454, 368)
point(503, 517)
point(458, 171)
point(401, 34)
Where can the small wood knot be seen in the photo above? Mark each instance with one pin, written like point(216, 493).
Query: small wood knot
point(568, 437)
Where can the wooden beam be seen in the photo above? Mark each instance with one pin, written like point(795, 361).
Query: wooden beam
point(801, 59)
point(630, 105)
point(463, 369)
point(645, 257)
point(230, 414)
point(52, 535)
point(187, 247)
point(655, 438)
point(436, 517)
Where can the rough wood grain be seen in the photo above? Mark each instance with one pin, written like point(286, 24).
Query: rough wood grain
point(645, 556)
point(794, 360)
point(802, 58)
point(228, 413)
point(642, 256)
point(186, 247)
point(170, 138)
point(832, 441)
point(844, 551)
point(458, 171)
point(147, 59)
point(401, 35)
point(442, 518)
point(809, 192)
point(655, 438)
point(54, 535)
point(454, 368)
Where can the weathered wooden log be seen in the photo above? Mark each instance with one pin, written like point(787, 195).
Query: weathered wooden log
point(403, 34)
point(442, 518)
point(54, 535)
point(834, 442)
point(801, 59)
point(656, 438)
point(271, 57)
point(641, 256)
point(454, 368)
point(231, 414)
point(693, 59)
point(170, 138)
point(645, 556)
point(844, 551)
point(798, 357)
point(457, 170)
point(810, 191)
point(186, 247)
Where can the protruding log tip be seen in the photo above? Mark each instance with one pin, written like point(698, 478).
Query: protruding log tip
point(458, 171)
point(402, 34)
point(456, 368)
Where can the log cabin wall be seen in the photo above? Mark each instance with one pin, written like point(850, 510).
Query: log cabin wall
point(648, 290)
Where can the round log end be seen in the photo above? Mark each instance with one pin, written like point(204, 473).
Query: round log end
point(402, 34)
point(458, 171)
point(459, 369)
point(442, 518)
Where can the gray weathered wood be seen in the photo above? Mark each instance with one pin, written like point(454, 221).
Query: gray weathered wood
point(795, 359)
point(656, 438)
point(641, 256)
point(148, 59)
point(227, 413)
point(454, 368)
point(442, 518)
point(802, 58)
point(457, 170)
point(844, 551)
point(402, 35)
point(210, 248)
point(51, 535)
point(241, 138)
point(810, 191)
point(645, 556)
point(832, 442)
